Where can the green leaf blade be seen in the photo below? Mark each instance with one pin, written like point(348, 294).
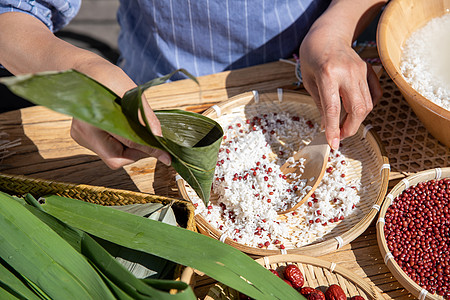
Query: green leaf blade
point(121, 282)
point(192, 139)
point(39, 254)
point(219, 261)
point(75, 94)
point(14, 284)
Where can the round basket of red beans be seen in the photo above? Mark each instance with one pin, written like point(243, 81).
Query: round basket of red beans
point(413, 232)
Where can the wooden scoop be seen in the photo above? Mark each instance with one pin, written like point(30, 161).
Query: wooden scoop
point(316, 157)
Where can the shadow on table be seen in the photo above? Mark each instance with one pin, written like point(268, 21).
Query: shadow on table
point(24, 158)
point(368, 257)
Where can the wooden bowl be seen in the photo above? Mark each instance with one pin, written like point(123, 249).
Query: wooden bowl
point(318, 274)
point(398, 21)
point(367, 162)
point(389, 260)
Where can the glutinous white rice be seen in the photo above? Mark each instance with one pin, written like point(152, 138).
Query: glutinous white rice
point(425, 61)
point(251, 188)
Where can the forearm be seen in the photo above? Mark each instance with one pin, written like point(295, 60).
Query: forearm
point(28, 46)
point(346, 19)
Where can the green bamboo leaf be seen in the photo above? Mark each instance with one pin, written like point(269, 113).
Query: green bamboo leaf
point(34, 250)
point(13, 284)
point(124, 280)
point(141, 264)
point(118, 293)
point(218, 260)
point(166, 284)
point(194, 145)
point(4, 294)
point(193, 140)
point(120, 280)
point(37, 290)
point(75, 94)
point(155, 211)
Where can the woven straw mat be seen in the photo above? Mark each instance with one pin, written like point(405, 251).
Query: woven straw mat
point(409, 146)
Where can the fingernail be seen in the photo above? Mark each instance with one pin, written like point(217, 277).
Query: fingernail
point(165, 159)
point(335, 144)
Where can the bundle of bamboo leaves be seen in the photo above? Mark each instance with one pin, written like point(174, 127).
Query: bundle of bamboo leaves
point(49, 250)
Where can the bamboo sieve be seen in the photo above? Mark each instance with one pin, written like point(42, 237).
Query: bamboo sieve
point(366, 156)
point(390, 262)
point(318, 273)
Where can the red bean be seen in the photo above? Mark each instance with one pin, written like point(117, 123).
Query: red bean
point(417, 234)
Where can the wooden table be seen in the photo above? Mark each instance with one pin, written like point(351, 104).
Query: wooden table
point(47, 151)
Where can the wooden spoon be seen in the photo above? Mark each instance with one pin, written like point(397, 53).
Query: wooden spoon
point(316, 157)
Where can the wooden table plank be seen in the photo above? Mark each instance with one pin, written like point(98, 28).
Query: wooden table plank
point(186, 94)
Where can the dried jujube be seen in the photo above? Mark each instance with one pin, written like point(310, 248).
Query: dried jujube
point(316, 295)
point(306, 290)
point(288, 282)
point(274, 272)
point(311, 293)
point(335, 292)
point(294, 275)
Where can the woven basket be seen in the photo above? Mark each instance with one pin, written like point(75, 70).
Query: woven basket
point(395, 269)
point(318, 273)
point(367, 155)
point(19, 185)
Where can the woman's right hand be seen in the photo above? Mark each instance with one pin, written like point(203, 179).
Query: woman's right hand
point(114, 150)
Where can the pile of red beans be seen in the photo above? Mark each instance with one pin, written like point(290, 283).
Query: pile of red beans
point(417, 231)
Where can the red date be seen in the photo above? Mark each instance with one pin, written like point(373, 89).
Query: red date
point(274, 272)
point(316, 295)
point(288, 282)
point(294, 275)
point(335, 292)
point(306, 290)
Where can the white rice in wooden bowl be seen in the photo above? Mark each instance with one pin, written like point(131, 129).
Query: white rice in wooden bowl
point(250, 188)
point(425, 61)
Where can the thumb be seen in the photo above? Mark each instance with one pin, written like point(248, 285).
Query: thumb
point(151, 118)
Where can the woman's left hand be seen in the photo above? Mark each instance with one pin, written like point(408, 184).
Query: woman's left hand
point(334, 74)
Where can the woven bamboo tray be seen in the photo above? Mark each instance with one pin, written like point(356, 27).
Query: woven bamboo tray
point(390, 262)
point(318, 274)
point(366, 155)
point(19, 185)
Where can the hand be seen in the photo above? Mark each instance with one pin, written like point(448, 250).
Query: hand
point(114, 150)
point(335, 75)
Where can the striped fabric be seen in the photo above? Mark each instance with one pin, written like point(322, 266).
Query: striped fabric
point(209, 36)
point(55, 14)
